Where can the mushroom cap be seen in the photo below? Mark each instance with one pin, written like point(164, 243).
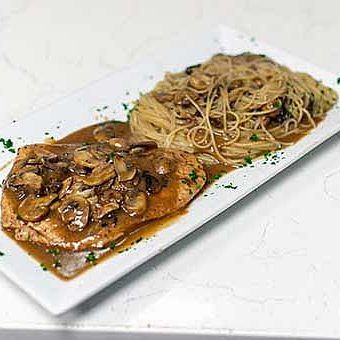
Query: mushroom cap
point(34, 209)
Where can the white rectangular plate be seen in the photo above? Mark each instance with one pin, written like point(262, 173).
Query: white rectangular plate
point(85, 107)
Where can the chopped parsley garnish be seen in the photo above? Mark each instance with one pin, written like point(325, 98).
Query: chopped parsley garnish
point(193, 175)
point(128, 108)
point(91, 257)
point(277, 104)
point(254, 137)
point(54, 251)
point(112, 245)
point(43, 266)
point(2, 254)
point(7, 144)
point(267, 154)
point(338, 81)
point(140, 239)
point(111, 156)
point(230, 186)
point(248, 159)
point(214, 178)
point(47, 133)
point(217, 176)
point(56, 264)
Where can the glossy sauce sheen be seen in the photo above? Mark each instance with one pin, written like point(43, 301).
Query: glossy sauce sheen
point(67, 265)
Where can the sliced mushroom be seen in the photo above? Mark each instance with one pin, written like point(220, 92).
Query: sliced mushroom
point(85, 158)
point(119, 143)
point(100, 175)
point(109, 196)
point(66, 185)
point(135, 203)
point(54, 187)
point(107, 208)
point(33, 161)
point(54, 162)
point(28, 179)
point(142, 146)
point(124, 173)
point(101, 150)
point(75, 212)
point(104, 132)
point(34, 209)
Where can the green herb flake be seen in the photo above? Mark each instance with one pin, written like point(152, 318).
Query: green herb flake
point(91, 257)
point(248, 159)
point(140, 239)
point(217, 176)
point(277, 104)
point(7, 144)
point(54, 251)
point(125, 106)
point(111, 156)
point(193, 175)
point(338, 81)
point(254, 137)
point(56, 264)
point(43, 267)
point(2, 253)
point(230, 186)
point(112, 245)
point(267, 154)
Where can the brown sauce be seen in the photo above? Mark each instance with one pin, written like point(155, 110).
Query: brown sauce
point(85, 135)
point(67, 265)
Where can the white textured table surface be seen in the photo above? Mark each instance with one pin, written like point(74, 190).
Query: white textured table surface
point(278, 270)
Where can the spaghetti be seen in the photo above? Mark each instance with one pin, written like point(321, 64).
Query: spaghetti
point(230, 108)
